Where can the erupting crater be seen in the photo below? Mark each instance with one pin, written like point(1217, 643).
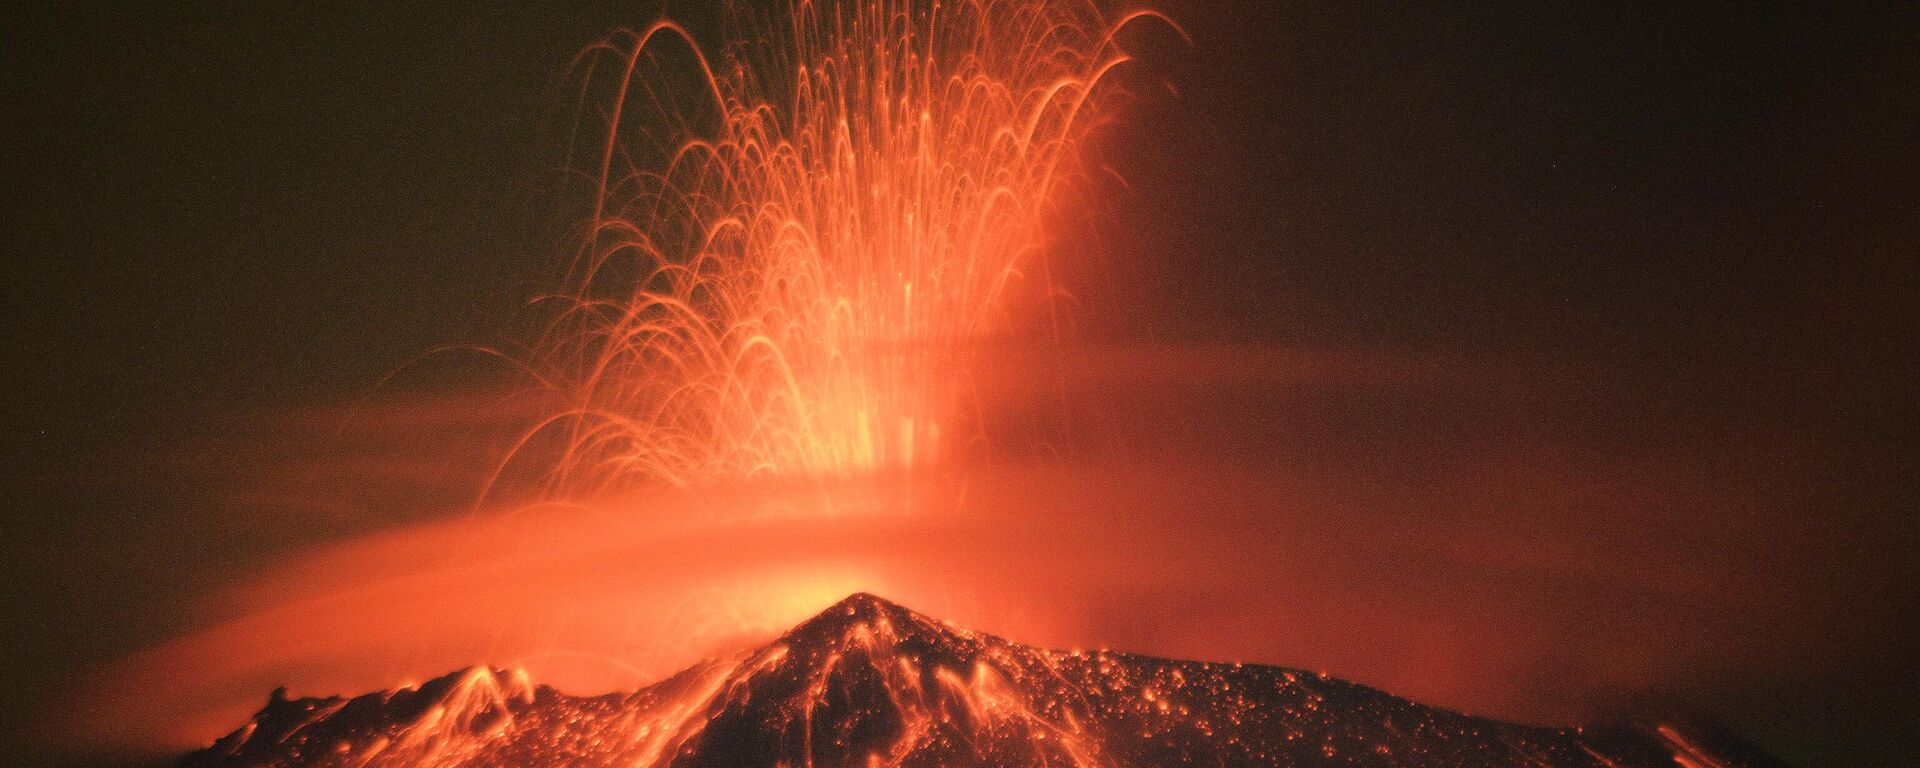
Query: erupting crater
point(870, 683)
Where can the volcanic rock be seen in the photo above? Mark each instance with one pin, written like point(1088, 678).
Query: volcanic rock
point(869, 683)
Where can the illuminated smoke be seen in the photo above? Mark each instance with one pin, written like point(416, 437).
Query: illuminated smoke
point(795, 245)
point(1459, 558)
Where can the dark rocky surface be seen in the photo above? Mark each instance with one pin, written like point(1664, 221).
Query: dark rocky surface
point(869, 683)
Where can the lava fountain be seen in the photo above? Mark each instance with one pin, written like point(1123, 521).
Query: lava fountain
point(788, 272)
point(793, 251)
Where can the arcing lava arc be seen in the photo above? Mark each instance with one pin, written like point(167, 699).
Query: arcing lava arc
point(869, 683)
point(786, 270)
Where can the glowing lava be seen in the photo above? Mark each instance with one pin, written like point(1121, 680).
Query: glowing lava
point(787, 270)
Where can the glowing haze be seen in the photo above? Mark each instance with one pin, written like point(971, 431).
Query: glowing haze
point(1398, 349)
point(764, 381)
point(794, 247)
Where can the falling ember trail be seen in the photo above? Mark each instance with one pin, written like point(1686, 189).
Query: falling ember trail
point(789, 271)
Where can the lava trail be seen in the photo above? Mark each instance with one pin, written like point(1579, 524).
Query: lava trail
point(794, 245)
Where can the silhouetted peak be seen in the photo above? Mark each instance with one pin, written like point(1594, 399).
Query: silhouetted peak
point(868, 680)
point(861, 611)
point(866, 604)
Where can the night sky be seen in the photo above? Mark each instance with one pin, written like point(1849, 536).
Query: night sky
point(216, 210)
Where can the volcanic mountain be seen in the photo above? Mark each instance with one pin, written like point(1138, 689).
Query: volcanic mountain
point(869, 683)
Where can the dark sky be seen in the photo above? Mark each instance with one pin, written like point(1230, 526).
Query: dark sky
point(212, 208)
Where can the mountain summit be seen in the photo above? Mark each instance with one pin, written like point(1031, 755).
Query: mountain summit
point(870, 683)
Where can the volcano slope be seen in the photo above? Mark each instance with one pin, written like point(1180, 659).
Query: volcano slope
point(869, 683)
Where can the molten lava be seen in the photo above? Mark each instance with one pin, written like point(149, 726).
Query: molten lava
point(787, 270)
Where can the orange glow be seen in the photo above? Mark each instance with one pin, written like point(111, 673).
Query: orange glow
point(785, 271)
point(592, 598)
point(763, 383)
point(793, 248)
point(1686, 752)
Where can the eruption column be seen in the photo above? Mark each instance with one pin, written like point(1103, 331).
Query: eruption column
point(789, 272)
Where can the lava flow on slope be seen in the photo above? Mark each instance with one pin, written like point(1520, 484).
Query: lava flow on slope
point(870, 683)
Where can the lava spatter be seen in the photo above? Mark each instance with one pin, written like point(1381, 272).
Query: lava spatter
point(869, 683)
point(788, 269)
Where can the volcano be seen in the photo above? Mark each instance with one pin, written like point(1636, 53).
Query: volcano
point(870, 683)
